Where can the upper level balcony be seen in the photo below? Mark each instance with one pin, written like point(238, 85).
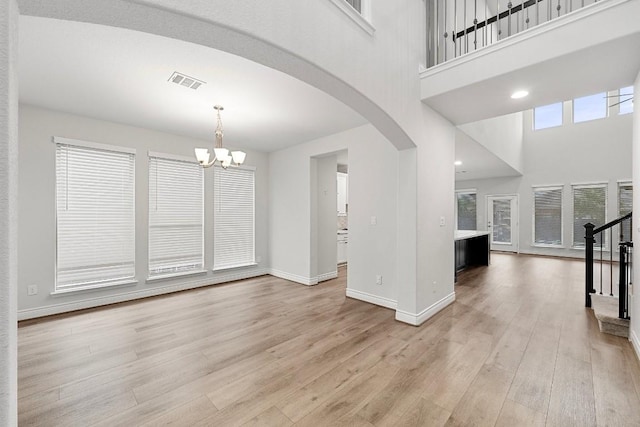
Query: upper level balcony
point(479, 52)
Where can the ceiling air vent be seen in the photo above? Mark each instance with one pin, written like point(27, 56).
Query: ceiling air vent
point(186, 81)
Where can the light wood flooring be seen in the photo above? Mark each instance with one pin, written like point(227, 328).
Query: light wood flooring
point(517, 348)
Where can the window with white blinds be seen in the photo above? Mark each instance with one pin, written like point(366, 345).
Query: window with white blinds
point(176, 214)
point(94, 215)
point(547, 216)
point(625, 205)
point(589, 205)
point(466, 210)
point(233, 217)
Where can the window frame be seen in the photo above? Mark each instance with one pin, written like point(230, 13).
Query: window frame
point(361, 18)
point(535, 188)
point(99, 284)
point(604, 100)
point(252, 262)
point(465, 191)
point(623, 183)
point(604, 185)
point(202, 270)
point(620, 112)
point(535, 128)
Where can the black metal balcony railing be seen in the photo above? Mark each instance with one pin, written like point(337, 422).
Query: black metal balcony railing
point(457, 27)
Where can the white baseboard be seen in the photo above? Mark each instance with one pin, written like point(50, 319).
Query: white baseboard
point(309, 281)
point(327, 276)
point(137, 294)
point(372, 299)
point(427, 313)
point(635, 342)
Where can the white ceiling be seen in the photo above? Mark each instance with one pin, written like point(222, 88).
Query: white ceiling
point(477, 161)
point(607, 66)
point(593, 49)
point(122, 76)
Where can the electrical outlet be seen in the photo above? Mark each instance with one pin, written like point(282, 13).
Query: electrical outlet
point(378, 279)
point(374, 220)
point(32, 290)
point(442, 221)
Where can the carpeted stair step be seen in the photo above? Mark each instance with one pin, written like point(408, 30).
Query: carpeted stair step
point(605, 309)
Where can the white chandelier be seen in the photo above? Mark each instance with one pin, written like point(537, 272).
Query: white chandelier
point(220, 154)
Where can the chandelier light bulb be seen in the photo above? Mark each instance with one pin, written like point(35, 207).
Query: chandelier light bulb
point(220, 154)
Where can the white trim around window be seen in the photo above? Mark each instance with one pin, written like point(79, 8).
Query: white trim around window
point(467, 191)
point(591, 185)
point(176, 216)
point(363, 18)
point(233, 217)
point(95, 215)
point(547, 188)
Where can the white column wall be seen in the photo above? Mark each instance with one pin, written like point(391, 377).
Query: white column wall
point(327, 201)
point(634, 304)
point(8, 211)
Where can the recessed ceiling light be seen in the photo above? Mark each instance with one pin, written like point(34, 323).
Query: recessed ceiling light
point(457, 163)
point(519, 94)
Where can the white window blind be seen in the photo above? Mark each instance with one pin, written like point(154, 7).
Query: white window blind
point(547, 212)
point(176, 211)
point(233, 217)
point(589, 205)
point(94, 214)
point(625, 205)
point(466, 208)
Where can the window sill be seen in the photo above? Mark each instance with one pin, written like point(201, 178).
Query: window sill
point(595, 248)
point(231, 267)
point(95, 287)
point(355, 16)
point(542, 245)
point(174, 275)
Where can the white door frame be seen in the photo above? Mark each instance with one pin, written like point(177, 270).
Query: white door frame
point(515, 237)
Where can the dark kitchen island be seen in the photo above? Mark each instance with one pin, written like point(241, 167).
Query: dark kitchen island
point(471, 248)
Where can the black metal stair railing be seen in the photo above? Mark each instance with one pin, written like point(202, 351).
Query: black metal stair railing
point(597, 236)
point(457, 27)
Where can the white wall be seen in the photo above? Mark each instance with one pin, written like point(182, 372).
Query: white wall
point(373, 166)
point(8, 212)
point(634, 304)
point(36, 243)
point(326, 195)
point(589, 152)
point(435, 178)
point(502, 136)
